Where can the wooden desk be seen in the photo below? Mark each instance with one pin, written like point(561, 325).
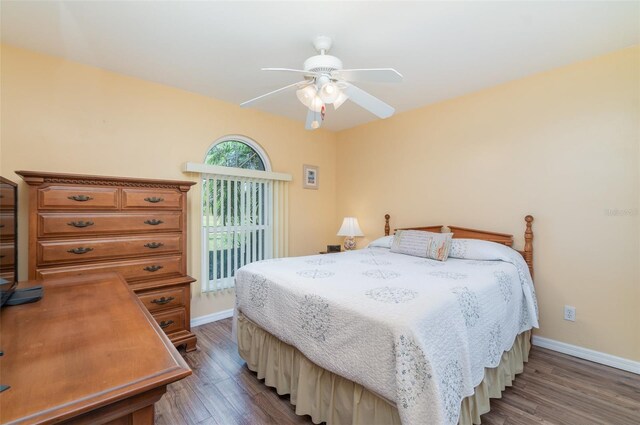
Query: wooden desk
point(87, 353)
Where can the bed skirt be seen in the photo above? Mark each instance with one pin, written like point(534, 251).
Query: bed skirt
point(330, 398)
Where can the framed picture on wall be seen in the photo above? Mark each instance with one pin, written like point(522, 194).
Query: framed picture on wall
point(310, 176)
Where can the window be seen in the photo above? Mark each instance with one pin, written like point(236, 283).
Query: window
point(244, 210)
point(235, 153)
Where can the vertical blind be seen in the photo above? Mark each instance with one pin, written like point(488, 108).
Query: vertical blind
point(244, 220)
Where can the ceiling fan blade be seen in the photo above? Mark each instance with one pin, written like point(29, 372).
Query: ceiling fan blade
point(299, 84)
point(299, 71)
point(376, 75)
point(369, 102)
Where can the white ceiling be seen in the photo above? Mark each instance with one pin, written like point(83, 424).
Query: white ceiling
point(443, 49)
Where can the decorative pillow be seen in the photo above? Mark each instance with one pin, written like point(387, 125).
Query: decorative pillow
point(383, 242)
point(422, 244)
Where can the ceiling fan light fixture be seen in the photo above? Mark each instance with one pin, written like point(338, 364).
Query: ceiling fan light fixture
point(316, 104)
point(340, 100)
point(329, 92)
point(307, 95)
point(327, 82)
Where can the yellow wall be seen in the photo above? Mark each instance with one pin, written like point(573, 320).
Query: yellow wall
point(561, 145)
point(63, 116)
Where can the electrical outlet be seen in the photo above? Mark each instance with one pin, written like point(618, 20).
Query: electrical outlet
point(570, 313)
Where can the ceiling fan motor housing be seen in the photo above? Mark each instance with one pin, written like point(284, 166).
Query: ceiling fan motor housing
point(322, 63)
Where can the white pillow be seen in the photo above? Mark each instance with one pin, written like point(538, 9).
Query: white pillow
point(383, 242)
point(477, 249)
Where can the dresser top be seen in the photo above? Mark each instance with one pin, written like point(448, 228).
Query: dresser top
point(39, 177)
point(89, 342)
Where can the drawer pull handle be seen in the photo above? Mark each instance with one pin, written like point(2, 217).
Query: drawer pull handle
point(163, 300)
point(81, 223)
point(153, 222)
point(154, 200)
point(80, 198)
point(1, 226)
point(153, 268)
point(81, 250)
point(153, 245)
point(166, 324)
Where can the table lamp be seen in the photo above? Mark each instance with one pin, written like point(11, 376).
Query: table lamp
point(350, 229)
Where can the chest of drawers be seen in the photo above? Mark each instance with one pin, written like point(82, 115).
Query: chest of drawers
point(81, 224)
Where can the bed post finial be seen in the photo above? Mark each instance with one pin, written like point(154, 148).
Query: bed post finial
point(528, 244)
point(387, 229)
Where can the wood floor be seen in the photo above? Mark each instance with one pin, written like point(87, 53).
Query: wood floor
point(554, 389)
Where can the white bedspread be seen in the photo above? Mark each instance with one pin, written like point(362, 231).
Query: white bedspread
point(418, 332)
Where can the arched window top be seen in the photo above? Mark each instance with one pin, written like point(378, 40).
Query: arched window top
point(237, 152)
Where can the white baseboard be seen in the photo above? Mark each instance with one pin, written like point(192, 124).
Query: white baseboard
point(213, 317)
point(587, 354)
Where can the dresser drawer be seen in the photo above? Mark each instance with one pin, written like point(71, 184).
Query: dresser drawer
point(82, 250)
point(7, 197)
point(163, 299)
point(171, 320)
point(151, 198)
point(7, 254)
point(7, 225)
point(77, 197)
point(131, 270)
point(66, 224)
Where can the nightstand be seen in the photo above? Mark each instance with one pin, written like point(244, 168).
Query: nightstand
point(332, 249)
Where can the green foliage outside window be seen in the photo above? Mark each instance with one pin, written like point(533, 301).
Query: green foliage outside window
point(233, 153)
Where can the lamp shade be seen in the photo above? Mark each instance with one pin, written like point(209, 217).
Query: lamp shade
point(350, 227)
point(307, 95)
point(340, 100)
point(329, 92)
point(316, 104)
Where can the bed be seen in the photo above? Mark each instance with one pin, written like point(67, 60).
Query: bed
point(376, 337)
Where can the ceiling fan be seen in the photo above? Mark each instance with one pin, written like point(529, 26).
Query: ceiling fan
point(325, 82)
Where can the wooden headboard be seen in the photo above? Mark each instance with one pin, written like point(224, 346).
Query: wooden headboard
point(463, 232)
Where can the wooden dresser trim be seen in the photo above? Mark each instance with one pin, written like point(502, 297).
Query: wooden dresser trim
point(38, 177)
point(105, 398)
